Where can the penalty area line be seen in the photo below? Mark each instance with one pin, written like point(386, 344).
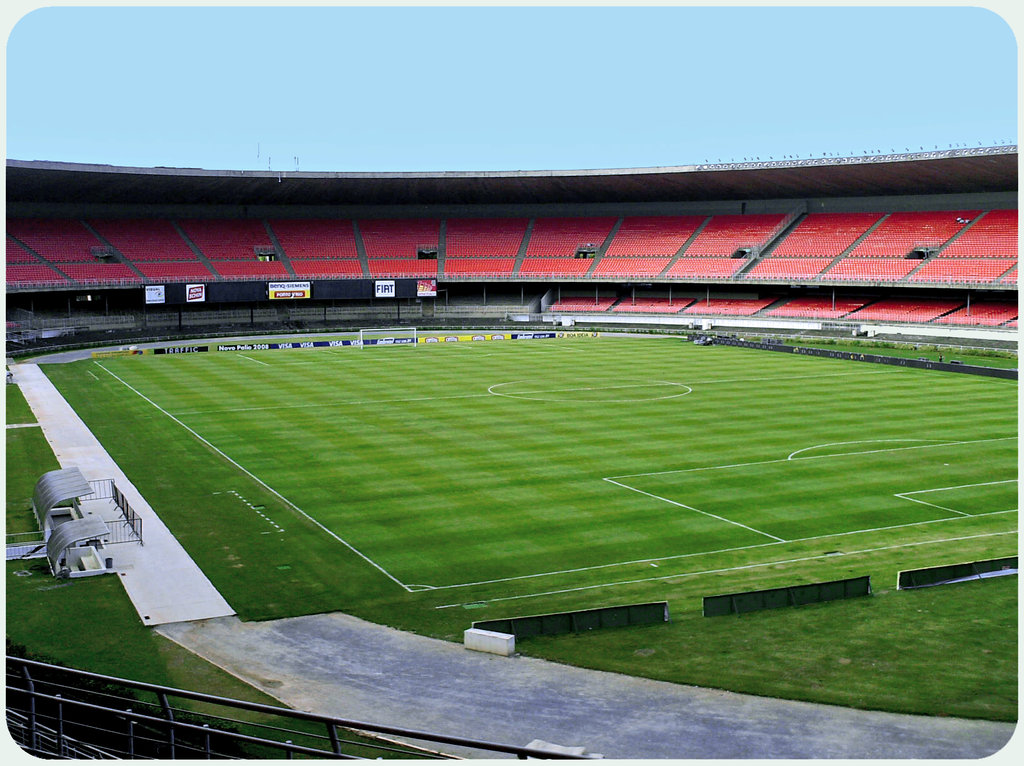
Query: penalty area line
point(723, 570)
point(258, 480)
point(696, 510)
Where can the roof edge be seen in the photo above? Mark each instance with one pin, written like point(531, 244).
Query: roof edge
point(753, 164)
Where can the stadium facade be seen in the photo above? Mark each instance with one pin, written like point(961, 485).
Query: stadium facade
point(919, 245)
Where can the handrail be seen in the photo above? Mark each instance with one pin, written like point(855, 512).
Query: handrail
point(20, 668)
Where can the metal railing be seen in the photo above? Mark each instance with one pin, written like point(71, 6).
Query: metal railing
point(58, 712)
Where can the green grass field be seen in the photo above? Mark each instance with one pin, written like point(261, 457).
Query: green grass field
point(426, 488)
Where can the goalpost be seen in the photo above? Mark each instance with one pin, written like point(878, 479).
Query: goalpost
point(388, 336)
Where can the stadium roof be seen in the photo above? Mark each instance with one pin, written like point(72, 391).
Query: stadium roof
point(954, 171)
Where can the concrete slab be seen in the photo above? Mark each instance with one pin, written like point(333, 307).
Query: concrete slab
point(339, 665)
point(163, 582)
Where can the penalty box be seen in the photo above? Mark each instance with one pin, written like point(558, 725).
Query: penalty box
point(820, 490)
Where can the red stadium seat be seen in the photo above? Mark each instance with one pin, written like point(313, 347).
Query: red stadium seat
point(306, 239)
point(653, 235)
point(974, 270)
point(705, 268)
point(58, 240)
point(33, 274)
point(787, 268)
point(994, 235)
point(982, 314)
point(399, 238)
point(870, 269)
point(251, 269)
point(327, 268)
point(478, 267)
point(483, 237)
point(192, 271)
point(652, 305)
point(630, 268)
point(583, 304)
point(725, 234)
point(101, 273)
point(730, 306)
point(227, 239)
point(816, 308)
point(907, 309)
point(555, 267)
point(403, 267)
point(825, 234)
point(140, 240)
point(562, 236)
point(901, 233)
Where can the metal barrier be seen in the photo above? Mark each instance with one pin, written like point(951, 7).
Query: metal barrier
point(856, 356)
point(792, 595)
point(57, 712)
point(578, 621)
point(947, 573)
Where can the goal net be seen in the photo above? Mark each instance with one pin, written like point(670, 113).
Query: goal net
point(388, 336)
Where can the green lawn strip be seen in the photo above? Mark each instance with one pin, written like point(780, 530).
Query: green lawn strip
point(949, 651)
point(28, 457)
point(18, 410)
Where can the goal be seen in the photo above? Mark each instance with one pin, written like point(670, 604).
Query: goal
point(388, 336)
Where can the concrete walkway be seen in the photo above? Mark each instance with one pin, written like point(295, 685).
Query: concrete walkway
point(162, 581)
point(338, 665)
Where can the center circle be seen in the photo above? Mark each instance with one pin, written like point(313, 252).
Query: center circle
point(596, 390)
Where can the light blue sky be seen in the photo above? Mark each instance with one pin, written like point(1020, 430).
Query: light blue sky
point(514, 88)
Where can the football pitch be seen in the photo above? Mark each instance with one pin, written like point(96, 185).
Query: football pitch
point(515, 477)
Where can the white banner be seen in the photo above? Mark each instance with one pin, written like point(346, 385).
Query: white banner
point(384, 288)
point(154, 294)
point(195, 293)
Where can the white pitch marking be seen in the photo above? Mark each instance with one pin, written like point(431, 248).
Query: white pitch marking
point(523, 394)
point(715, 552)
point(717, 571)
point(265, 364)
point(259, 481)
point(958, 486)
point(933, 505)
point(905, 495)
point(698, 510)
point(90, 372)
point(335, 403)
point(861, 441)
point(812, 457)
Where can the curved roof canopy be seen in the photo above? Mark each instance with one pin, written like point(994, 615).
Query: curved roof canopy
point(55, 487)
point(955, 171)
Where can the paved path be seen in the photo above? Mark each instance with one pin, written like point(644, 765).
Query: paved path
point(338, 665)
point(162, 581)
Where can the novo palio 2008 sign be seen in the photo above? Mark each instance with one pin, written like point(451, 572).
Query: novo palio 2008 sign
point(288, 290)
